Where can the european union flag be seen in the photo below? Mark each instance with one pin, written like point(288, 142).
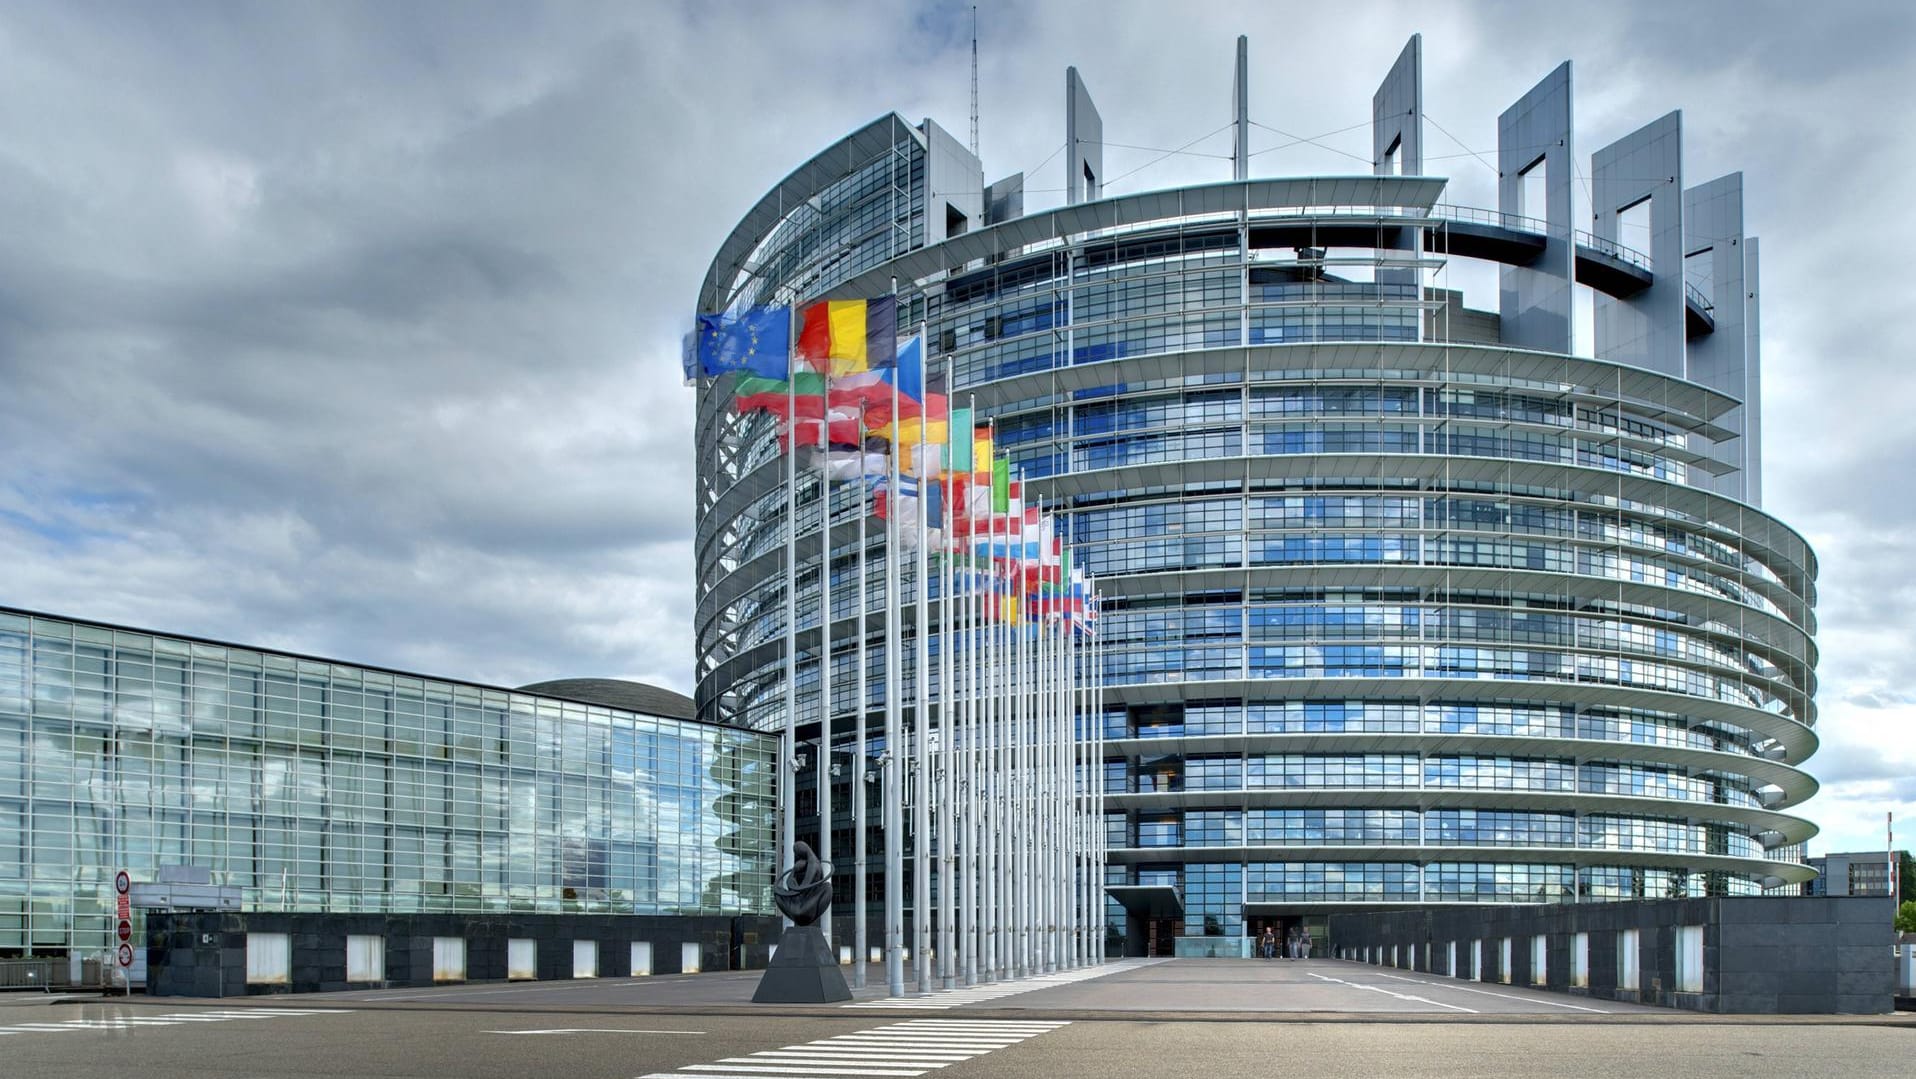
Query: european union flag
point(759, 341)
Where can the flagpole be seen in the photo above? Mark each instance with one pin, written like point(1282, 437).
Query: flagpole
point(1098, 645)
point(1047, 761)
point(991, 767)
point(861, 786)
point(824, 762)
point(947, 743)
point(921, 750)
point(1020, 813)
point(968, 900)
point(788, 748)
point(894, 772)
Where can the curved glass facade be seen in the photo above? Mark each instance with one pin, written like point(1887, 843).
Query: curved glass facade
point(318, 786)
point(1397, 611)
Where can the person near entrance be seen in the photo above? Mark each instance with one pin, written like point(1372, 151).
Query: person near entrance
point(1267, 945)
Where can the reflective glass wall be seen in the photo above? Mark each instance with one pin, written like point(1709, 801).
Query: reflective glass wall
point(322, 786)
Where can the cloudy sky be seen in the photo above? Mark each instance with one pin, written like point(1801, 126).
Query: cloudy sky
point(352, 329)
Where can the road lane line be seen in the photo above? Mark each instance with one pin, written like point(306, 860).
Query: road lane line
point(897, 1049)
point(594, 1030)
point(783, 1069)
point(1504, 996)
point(771, 1056)
point(1399, 996)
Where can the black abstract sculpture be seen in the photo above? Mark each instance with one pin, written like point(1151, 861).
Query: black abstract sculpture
point(803, 970)
point(804, 893)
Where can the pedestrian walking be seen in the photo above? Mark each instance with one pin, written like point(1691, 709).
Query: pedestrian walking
point(1267, 945)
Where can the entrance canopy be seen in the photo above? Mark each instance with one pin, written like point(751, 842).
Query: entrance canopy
point(1148, 900)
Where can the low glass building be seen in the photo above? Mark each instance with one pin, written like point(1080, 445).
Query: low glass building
point(317, 786)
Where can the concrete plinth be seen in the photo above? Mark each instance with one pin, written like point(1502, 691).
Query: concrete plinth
point(804, 971)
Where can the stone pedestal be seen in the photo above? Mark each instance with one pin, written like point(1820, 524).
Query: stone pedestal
point(805, 971)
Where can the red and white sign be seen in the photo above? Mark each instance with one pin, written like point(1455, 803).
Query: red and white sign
point(123, 917)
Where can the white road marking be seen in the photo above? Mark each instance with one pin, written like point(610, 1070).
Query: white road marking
point(916, 1053)
point(167, 1019)
point(1399, 996)
point(900, 1050)
point(781, 1069)
point(594, 1030)
point(809, 1059)
point(1504, 996)
point(941, 999)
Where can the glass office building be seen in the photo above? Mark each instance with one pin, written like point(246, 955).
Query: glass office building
point(313, 785)
point(1412, 596)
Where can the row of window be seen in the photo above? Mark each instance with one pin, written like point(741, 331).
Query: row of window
point(1303, 771)
point(1407, 717)
point(1214, 894)
point(1409, 827)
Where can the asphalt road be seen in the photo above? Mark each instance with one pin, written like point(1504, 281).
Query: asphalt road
point(436, 1043)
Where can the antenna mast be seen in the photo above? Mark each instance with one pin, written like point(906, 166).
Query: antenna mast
point(974, 80)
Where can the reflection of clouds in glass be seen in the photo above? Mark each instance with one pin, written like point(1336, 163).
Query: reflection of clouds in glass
point(329, 787)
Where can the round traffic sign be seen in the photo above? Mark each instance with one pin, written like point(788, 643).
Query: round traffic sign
point(124, 930)
point(126, 955)
point(122, 883)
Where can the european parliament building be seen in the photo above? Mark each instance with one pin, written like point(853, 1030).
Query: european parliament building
point(328, 797)
point(1410, 600)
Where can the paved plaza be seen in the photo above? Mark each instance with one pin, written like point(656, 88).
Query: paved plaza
point(1322, 1017)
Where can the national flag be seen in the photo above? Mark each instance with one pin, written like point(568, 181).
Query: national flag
point(846, 337)
point(758, 340)
point(865, 391)
point(1000, 486)
point(841, 428)
point(962, 444)
point(805, 395)
point(981, 457)
point(847, 465)
point(913, 431)
point(879, 413)
point(909, 372)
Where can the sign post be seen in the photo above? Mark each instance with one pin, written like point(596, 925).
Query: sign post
point(123, 919)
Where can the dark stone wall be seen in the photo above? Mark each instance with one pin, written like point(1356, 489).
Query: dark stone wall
point(203, 954)
point(1761, 954)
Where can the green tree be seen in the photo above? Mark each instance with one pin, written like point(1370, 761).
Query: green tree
point(1906, 917)
point(1907, 875)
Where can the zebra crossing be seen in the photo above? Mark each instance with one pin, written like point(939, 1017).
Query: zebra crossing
point(941, 999)
point(900, 1050)
point(141, 1020)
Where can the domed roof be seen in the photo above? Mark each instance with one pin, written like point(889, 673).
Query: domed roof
point(618, 693)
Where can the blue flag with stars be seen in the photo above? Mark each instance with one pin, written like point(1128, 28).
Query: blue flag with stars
point(759, 341)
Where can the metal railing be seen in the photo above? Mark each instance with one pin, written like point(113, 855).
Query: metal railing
point(1613, 249)
point(1480, 216)
point(46, 973)
point(1697, 299)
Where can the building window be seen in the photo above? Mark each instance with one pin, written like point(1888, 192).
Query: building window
point(1628, 978)
point(522, 959)
point(269, 958)
point(448, 959)
point(1689, 959)
point(365, 958)
point(1539, 960)
point(1580, 961)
